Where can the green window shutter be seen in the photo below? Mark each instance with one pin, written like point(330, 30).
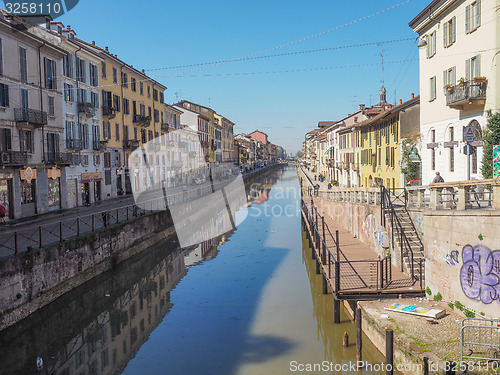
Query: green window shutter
point(445, 35)
point(453, 76)
point(467, 19)
point(453, 31)
point(477, 67)
point(478, 14)
point(467, 70)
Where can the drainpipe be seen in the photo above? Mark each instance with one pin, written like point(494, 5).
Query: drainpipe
point(77, 112)
point(41, 96)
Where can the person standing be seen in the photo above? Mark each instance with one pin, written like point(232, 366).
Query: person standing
point(3, 212)
point(438, 178)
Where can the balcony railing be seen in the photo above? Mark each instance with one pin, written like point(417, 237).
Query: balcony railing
point(13, 158)
point(108, 112)
point(142, 120)
point(466, 93)
point(86, 109)
point(61, 158)
point(164, 127)
point(30, 116)
point(131, 144)
point(74, 144)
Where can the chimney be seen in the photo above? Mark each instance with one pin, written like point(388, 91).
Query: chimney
point(93, 42)
point(412, 95)
point(362, 107)
point(68, 27)
point(143, 71)
point(400, 101)
point(107, 49)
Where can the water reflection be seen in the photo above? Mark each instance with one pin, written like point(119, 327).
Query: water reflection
point(98, 327)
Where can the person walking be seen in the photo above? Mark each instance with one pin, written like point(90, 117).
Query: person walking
point(3, 212)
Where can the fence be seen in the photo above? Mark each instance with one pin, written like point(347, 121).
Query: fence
point(480, 340)
point(33, 237)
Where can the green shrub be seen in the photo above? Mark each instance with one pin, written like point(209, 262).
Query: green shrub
point(428, 291)
point(438, 297)
point(451, 306)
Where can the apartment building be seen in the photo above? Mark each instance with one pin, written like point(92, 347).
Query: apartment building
point(458, 82)
point(32, 173)
point(228, 141)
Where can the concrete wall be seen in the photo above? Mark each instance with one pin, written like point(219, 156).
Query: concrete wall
point(462, 254)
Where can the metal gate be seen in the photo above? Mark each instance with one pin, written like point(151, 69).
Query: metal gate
point(480, 340)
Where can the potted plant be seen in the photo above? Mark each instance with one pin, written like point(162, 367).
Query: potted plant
point(462, 82)
point(448, 87)
point(479, 79)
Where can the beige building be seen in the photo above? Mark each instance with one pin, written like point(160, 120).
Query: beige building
point(458, 46)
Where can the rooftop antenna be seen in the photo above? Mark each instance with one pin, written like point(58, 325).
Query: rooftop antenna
point(355, 100)
point(177, 94)
point(209, 102)
point(382, 56)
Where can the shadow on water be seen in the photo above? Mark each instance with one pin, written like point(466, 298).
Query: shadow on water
point(151, 308)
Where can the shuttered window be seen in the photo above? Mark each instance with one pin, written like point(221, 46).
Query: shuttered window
point(23, 64)
point(449, 32)
point(472, 16)
point(432, 88)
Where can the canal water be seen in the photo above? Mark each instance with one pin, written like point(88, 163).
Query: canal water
point(246, 303)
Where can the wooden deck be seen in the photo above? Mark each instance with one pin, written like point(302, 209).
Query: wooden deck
point(361, 275)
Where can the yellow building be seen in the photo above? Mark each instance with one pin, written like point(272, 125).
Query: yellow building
point(228, 141)
point(380, 144)
point(133, 111)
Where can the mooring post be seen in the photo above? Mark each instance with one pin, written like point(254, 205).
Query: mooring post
point(345, 340)
point(359, 336)
point(389, 351)
point(426, 366)
point(317, 267)
point(336, 311)
point(450, 367)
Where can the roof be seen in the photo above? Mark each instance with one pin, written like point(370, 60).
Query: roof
point(424, 12)
point(322, 136)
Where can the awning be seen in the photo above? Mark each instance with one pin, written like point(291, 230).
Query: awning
point(327, 151)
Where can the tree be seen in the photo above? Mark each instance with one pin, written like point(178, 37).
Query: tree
point(491, 137)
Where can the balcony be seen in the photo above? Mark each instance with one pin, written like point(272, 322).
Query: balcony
point(86, 109)
point(74, 144)
point(131, 144)
point(59, 158)
point(30, 116)
point(108, 112)
point(469, 92)
point(142, 120)
point(164, 127)
point(13, 158)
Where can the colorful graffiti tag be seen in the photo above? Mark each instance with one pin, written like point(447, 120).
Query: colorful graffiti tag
point(496, 162)
point(480, 273)
point(373, 232)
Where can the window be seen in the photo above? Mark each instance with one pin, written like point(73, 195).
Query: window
point(432, 89)
point(116, 103)
point(452, 151)
point(149, 112)
point(133, 84)
point(150, 136)
point(143, 136)
point(117, 131)
point(81, 95)
point(69, 94)
point(104, 74)
point(52, 111)
point(135, 134)
point(431, 45)
point(1, 57)
point(68, 66)
point(125, 133)
point(472, 16)
point(106, 129)
point(94, 80)
point(23, 64)
point(81, 71)
point(4, 95)
point(50, 74)
point(162, 97)
point(106, 99)
point(24, 99)
point(473, 67)
point(115, 75)
point(157, 115)
point(126, 106)
point(141, 88)
point(149, 91)
point(449, 78)
point(107, 164)
point(155, 95)
point(449, 32)
point(26, 141)
point(5, 140)
point(94, 99)
point(124, 79)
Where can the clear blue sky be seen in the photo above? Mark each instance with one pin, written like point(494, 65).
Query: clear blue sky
point(161, 34)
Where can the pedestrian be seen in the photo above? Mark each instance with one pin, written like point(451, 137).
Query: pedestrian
point(315, 177)
point(438, 178)
point(3, 212)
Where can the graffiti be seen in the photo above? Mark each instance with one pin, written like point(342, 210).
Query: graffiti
point(437, 252)
point(452, 259)
point(419, 220)
point(480, 273)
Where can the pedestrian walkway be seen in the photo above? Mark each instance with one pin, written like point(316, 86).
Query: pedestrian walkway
point(310, 174)
point(352, 269)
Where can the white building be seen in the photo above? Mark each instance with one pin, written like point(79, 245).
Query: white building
point(458, 47)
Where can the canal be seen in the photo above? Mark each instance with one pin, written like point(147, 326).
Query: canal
point(248, 303)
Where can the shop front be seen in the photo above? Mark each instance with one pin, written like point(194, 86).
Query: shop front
point(91, 187)
point(6, 194)
point(28, 191)
point(54, 189)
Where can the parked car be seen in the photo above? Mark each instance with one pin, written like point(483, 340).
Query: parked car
point(200, 179)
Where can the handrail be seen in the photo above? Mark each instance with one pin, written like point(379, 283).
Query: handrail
point(404, 242)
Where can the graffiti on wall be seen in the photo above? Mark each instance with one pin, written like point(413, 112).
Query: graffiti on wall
point(373, 232)
point(480, 273)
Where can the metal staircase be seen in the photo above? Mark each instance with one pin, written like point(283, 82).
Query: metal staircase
point(405, 238)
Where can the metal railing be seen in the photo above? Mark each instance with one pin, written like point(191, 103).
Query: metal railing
point(13, 158)
point(29, 115)
point(374, 275)
point(469, 90)
point(480, 341)
point(65, 158)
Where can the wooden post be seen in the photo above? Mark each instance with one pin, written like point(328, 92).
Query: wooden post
point(359, 336)
point(389, 351)
point(345, 340)
point(336, 311)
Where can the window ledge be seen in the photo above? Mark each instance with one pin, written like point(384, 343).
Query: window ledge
point(3, 108)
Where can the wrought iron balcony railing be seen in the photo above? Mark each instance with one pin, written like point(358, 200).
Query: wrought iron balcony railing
point(469, 92)
point(142, 120)
point(108, 112)
point(61, 158)
point(74, 144)
point(30, 116)
point(86, 109)
point(13, 158)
